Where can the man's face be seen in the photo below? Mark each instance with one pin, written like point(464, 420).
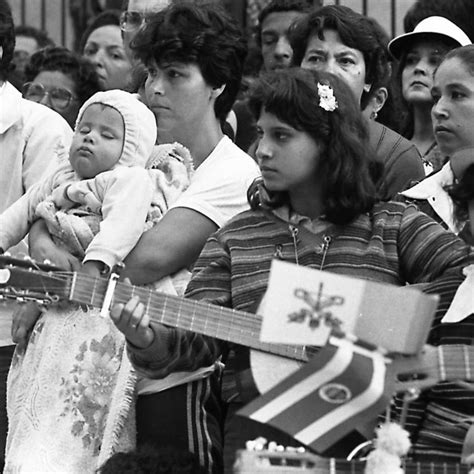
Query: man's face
point(276, 49)
point(143, 8)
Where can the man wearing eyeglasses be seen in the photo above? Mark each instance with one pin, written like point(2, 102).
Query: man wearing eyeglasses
point(32, 137)
point(134, 14)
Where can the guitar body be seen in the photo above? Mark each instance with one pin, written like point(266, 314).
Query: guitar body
point(269, 370)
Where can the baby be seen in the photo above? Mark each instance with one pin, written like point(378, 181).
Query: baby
point(96, 205)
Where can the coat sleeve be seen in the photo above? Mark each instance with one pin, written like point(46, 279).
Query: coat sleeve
point(125, 197)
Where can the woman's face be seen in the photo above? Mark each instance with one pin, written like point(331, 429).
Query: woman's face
point(453, 109)
point(420, 64)
point(60, 88)
point(104, 48)
point(180, 98)
point(288, 158)
point(331, 55)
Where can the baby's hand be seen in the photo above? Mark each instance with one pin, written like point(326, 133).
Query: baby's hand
point(24, 320)
point(60, 197)
point(133, 322)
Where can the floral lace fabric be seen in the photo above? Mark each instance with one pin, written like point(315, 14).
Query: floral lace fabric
point(70, 395)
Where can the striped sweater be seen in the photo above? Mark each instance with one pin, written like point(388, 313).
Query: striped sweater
point(394, 244)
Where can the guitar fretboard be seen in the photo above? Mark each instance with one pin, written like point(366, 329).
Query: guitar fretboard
point(454, 362)
point(210, 320)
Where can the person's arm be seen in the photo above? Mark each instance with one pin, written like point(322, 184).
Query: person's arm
point(435, 257)
point(172, 244)
point(428, 252)
point(17, 219)
point(156, 350)
point(123, 197)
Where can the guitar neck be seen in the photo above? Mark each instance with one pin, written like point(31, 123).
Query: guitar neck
point(454, 362)
point(261, 462)
point(204, 318)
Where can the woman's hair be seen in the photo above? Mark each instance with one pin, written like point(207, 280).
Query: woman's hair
point(149, 459)
point(56, 58)
point(107, 17)
point(201, 34)
point(356, 31)
point(40, 36)
point(7, 39)
point(465, 54)
point(348, 164)
point(462, 191)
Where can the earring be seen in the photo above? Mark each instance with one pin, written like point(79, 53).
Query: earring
point(373, 115)
point(367, 87)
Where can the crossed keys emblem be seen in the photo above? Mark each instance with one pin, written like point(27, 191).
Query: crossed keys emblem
point(318, 312)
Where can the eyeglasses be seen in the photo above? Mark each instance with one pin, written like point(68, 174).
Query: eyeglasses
point(59, 97)
point(131, 21)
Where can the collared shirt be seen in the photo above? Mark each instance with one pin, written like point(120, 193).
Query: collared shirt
point(432, 190)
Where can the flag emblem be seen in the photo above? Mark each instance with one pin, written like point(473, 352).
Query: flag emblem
point(335, 393)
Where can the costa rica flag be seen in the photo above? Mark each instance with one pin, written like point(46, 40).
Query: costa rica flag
point(340, 389)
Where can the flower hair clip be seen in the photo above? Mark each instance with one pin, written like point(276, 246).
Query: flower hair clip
point(327, 100)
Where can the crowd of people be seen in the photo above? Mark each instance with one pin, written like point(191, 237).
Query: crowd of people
point(328, 145)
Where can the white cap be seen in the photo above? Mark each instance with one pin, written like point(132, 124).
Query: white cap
point(433, 25)
point(139, 121)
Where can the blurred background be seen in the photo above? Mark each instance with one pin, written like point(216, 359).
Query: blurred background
point(65, 20)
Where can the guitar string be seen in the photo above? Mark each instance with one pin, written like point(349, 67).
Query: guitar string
point(249, 323)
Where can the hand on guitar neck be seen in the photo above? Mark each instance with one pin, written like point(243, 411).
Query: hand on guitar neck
point(133, 321)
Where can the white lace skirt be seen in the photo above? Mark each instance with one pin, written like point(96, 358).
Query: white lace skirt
point(70, 396)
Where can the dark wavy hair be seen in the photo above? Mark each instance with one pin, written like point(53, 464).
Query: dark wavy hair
point(107, 17)
point(7, 39)
point(356, 31)
point(40, 36)
point(79, 69)
point(462, 191)
point(202, 34)
point(348, 165)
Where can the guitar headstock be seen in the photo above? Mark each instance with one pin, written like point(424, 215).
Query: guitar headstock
point(26, 280)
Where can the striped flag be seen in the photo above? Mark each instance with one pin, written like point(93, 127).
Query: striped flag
point(341, 388)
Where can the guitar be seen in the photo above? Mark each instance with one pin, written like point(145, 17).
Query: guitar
point(291, 462)
point(26, 280)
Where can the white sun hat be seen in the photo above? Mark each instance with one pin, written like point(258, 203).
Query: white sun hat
point(433, 25)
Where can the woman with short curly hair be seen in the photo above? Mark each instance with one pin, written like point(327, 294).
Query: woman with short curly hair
point(61, 80)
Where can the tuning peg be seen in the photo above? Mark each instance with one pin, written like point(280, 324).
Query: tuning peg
point(46, 261)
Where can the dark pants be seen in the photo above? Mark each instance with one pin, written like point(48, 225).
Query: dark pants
point(239, 430)
point(187, 417)
point(6, 354)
